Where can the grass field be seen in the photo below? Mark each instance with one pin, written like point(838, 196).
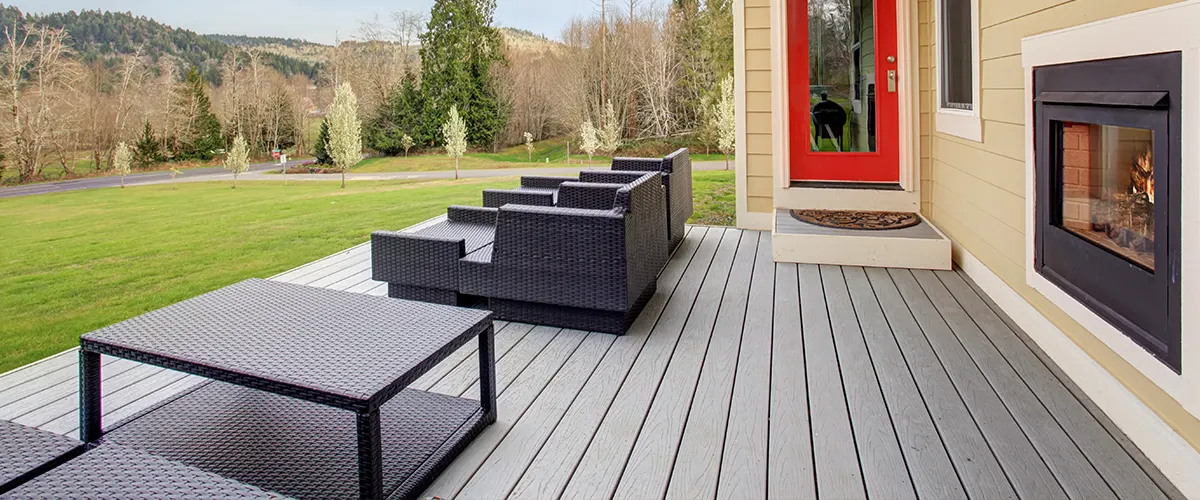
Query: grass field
point(80, 260)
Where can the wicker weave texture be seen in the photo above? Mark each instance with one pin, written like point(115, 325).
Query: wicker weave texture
point(543, 181)
point(25, 450)
point(339, 348)
point(119, 472)
point(497, 198)
point(588, 195)
point(429, 258)
point(291, 446)
point(677, 177)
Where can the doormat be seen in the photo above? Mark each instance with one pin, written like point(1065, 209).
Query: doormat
point(857, 219)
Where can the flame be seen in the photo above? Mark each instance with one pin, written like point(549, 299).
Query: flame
point(1142, 176)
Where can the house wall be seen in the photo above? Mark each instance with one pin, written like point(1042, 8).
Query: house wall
point(976, 190)
point(757, 73)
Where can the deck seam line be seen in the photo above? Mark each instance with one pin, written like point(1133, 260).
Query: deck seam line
point(533, 400)
point(700, 372)
point(812, 442)
point(991, 385)
point(862, 473)
point(920, 393)
point(514, 378)
point(641, 349)
point(737, 361)
point(957, 391)
point(1023, 380)
point(883, 395)
point(557, 422)
point(1003, 404)
point(674, 347)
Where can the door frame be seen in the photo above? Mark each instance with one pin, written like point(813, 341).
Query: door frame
point(907, 199)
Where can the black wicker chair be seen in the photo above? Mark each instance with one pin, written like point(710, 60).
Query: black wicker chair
point(423, 265)
point(676, 170)
point(589, 263)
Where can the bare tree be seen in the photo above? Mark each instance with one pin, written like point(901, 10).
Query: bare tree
point(38, 79)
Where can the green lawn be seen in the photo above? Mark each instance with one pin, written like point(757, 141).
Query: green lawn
point(80, 260)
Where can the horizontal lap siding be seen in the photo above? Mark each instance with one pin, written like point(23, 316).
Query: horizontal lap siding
point(975, 192)
point(759, 159)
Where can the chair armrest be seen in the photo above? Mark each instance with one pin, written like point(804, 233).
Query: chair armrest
point(638, 164)
point(496, 198)
point(587, 195)
point(544, 181)
point(471, 215)
point(610, 177)
point(415, 259)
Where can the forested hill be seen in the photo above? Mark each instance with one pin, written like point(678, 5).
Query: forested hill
point(104, 34)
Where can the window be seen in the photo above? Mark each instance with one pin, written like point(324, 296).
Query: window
point(957, 57)
point(958, 68)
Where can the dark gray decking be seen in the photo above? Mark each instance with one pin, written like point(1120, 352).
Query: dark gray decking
point(742, 379)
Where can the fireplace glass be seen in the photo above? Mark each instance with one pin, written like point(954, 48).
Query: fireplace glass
point(1107, 181)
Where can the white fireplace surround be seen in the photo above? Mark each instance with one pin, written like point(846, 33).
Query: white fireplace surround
point(1166, 29)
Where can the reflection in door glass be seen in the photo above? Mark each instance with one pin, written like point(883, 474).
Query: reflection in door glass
point(841, 58)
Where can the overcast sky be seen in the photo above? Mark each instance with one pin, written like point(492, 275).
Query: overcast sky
point(316, 20)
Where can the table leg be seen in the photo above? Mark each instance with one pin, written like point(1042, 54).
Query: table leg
point(90, 411)
point(370, 455)
point(487, 374)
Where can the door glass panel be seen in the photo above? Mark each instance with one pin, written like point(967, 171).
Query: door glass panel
point(841, 58)
point(1106, 178)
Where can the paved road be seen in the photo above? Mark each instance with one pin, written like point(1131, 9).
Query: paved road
point(196, 174)
point(257, 173)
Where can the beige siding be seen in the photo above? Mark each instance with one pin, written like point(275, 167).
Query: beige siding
point(759, 183)
point(975, 191)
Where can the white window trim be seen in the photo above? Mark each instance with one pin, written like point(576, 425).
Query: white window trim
point(958, 122)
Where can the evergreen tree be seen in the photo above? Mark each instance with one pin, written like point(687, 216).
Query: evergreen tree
point(321, 148)
point(200, 135)
point(401, 115)
point(457, 52)
point(148, 149)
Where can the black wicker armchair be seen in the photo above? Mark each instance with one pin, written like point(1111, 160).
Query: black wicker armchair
point(423, 265)
point(590, 263)
point(676, 170)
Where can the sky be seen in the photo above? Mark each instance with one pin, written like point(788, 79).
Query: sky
point(322, 21)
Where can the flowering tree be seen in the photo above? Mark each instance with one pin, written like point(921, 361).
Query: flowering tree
point(238, 159)
point(174, 172)
point(529, 145)
point(455, 133)
point(406, 142)
point(610, 130)
point(589, 141)
point(122, 158)
point(345, 130)
point(726, 116)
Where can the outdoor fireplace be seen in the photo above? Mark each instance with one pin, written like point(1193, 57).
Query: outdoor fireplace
point(1107, 148)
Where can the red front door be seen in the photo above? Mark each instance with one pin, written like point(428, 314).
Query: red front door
point(843, 110)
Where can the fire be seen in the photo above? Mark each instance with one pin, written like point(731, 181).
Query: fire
point(1142, 175)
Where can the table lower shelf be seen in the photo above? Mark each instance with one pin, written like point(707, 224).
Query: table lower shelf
point(302, 449)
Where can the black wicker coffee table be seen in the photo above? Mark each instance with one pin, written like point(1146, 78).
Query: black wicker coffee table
point(308, 395)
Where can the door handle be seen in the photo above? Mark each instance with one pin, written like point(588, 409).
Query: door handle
point(891, 76)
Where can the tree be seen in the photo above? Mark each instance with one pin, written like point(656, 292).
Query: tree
point(407, 142)
point(454, 132)
point(321, 147)
point(610, 130)
point(458, 50)
point(174, 172)
point(237, 161)
point(725, 114)
point(345, 130)
point(529, 145)
point(37, 76)
point(589, 141)
point(122, 157)
point(147, 151)
point(199, 132)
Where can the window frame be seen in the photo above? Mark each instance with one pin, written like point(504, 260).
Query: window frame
point(967, 124)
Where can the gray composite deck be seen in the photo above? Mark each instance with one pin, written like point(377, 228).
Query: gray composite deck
point(743, 378)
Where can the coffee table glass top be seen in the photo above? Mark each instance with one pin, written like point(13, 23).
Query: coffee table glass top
point(289, 336)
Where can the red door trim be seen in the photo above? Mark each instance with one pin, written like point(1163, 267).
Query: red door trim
point(881, 166)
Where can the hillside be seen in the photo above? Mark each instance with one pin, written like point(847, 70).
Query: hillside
point(294, 48)
point(104, 35)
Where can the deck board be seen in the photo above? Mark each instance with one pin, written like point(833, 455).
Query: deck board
point(742, 378)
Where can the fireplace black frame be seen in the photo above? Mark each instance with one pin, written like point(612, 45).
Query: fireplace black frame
point(1142, 92)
